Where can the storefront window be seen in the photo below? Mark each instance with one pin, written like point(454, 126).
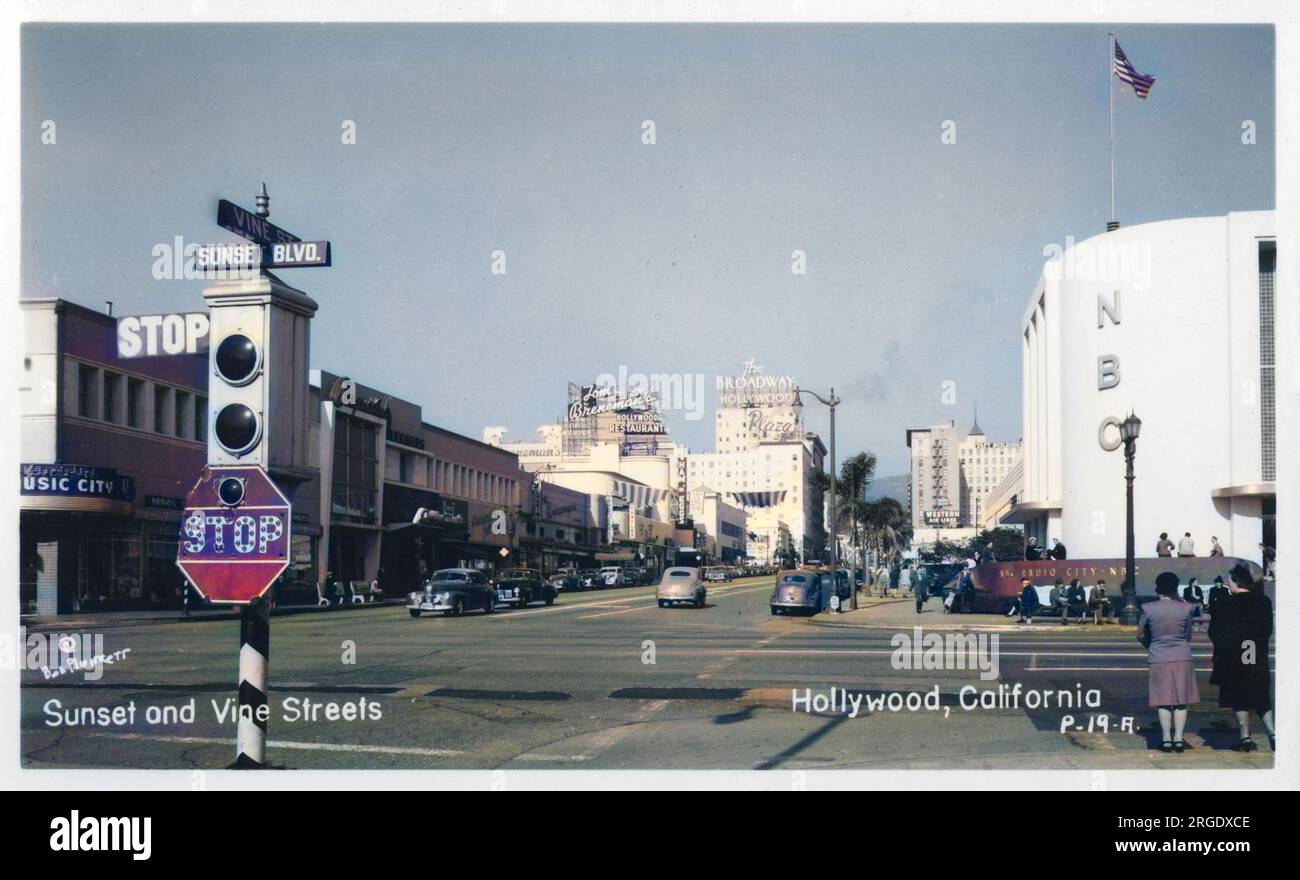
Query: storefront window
point(109, 570)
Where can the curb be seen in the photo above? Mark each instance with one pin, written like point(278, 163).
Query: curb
point(197, 617)
point(977, 627)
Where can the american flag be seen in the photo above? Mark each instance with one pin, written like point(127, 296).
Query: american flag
point(1140, 82)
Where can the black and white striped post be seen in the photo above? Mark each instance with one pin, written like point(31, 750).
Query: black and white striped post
point(254, 706)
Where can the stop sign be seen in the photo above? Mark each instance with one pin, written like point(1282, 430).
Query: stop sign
point(234, 538)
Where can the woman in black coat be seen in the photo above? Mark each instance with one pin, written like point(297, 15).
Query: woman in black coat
point(1242, 653)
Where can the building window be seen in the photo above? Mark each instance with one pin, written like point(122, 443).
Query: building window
point(200, 418)
point(355, 488)
point(160, 393)
point(134, 400)
point(1267, 363)
point(182, 404)
point(87, 378)
point(111, 383)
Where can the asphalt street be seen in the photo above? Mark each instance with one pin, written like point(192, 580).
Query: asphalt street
point(609, 680)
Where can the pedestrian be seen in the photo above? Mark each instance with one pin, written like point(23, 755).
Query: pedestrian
point(1194, 596)
point(330, 588)
point(1032, 551)
point(1098, 604)
point(894, 575)
point(1057, 598)
point(1268, 556)
point(1028, 602)
point(1164, 547)
point(1186, 546)
point(1058, 549)
point(1165, 630)
point(1215, 549)
point(1244, 678)
point(919, 588)
point(1077, 599)
point(1216, 606)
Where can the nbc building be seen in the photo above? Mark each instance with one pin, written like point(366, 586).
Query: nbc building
point(1172, 321)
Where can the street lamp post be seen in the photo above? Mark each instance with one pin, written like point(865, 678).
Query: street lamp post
point(831, 404)
point(1128, 432)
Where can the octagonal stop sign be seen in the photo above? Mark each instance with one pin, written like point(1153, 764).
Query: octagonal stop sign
point(234, 539)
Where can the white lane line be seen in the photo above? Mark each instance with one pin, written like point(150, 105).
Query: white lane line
point(290, 744)
point(721, 591)
point(1101, 669)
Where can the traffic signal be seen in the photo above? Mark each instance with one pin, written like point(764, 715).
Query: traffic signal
point(238, 390)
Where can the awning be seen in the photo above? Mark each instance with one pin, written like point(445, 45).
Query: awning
point(758, 499)
point(616, 556)
point(1245, 490)
point(1029, 511)
point(637, 494)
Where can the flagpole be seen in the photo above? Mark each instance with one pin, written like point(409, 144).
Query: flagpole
point(1110, 90)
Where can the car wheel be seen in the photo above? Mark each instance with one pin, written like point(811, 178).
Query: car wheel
point(550, 600)
point(663, 604)
point(457, 607)
point(490, 606)
point(415, 612)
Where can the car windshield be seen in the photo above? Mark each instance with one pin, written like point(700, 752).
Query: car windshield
point(448, 575)
point(794, 579)
point(517, 573)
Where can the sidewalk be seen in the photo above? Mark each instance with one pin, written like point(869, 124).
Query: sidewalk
point(891, 613)
point(85, 620)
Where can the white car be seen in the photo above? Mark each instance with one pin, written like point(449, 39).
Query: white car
point(612, 575)
point(681, 586)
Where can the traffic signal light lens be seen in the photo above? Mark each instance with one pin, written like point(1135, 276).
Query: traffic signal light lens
point(237, 428)
point(238, 359)
point(231, 491)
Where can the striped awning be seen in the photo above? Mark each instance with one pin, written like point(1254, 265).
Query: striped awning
point(638, 495)
point(758, 499)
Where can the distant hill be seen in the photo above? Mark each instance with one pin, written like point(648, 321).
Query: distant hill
point(893, 487)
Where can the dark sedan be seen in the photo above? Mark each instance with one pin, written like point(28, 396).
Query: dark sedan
point(520, 586)
point(453, 591)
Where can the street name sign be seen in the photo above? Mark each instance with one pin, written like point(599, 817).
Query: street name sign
point(249, 255)
point(247, 224)
point(235, 537)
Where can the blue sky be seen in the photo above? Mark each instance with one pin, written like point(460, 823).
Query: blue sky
point(673, 257)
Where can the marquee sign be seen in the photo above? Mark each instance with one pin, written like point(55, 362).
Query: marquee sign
point(753, 388)
point(76, 481)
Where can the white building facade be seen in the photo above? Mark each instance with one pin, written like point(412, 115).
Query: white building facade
point(1172, 321)
point(953, 476)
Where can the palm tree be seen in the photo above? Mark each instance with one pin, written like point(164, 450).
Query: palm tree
point(888, 527)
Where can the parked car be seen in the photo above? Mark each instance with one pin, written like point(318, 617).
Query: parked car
point(799, 591)
point(566, 580)
point(520, 586)
point(591, 579)
point(716, 574)
point(453, 591)
point(612, 575)
point(680, 585)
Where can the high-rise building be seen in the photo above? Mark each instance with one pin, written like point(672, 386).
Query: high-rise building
point(952, 476)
